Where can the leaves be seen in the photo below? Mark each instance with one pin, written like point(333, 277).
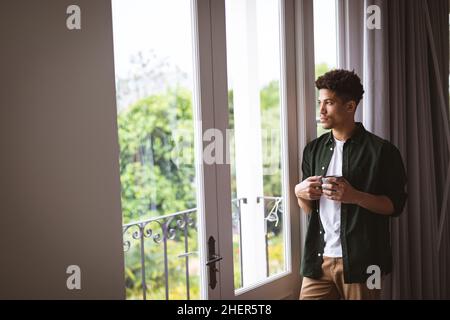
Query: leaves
point(153, 179)
point(157, 172)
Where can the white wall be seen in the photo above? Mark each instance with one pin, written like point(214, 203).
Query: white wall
point(59, 174)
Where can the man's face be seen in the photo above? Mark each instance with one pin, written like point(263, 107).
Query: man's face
point(333, 111)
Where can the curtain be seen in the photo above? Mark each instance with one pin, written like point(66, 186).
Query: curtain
point(350, 40)
point(405, 75)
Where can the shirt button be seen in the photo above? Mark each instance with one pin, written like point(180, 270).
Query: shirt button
point(320, 232)
point(323, 168)
point(331, 149)
point(319, 254)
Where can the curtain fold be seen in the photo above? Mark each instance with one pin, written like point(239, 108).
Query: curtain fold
point(350, 40)
point(405, 74)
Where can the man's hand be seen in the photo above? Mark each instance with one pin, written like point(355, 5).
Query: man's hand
point(309, 189)
point(340, 190)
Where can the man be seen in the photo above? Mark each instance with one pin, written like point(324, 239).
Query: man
point(347, 239)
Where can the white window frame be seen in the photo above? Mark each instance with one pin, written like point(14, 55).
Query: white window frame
point(298, 94)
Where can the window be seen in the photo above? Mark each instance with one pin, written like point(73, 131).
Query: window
point(255, 118)
point(325, 44)
point(154, 84)
point(157, 90)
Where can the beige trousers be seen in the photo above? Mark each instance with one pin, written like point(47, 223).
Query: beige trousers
point(331, 285)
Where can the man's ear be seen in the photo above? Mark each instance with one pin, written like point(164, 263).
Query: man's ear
point(351, 106)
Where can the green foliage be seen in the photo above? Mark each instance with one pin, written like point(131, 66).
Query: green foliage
point(152, 133)
point(157, 176)
point(157, 172)
point(271, 125)
point(270, 97)
point(320, 69)
point(154, 270)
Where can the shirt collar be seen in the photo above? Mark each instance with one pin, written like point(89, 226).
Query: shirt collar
point(355, 138)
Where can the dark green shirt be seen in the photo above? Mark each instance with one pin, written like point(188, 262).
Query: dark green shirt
point(370, 164)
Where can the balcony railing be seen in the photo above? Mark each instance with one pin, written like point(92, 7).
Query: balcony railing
point(161, 229)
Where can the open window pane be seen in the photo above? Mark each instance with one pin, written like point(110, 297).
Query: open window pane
point(257, 165)
point(154, 84)
point(325, 49)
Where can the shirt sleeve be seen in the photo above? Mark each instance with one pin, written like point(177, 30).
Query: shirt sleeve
point(306, 162)
point(393, 177)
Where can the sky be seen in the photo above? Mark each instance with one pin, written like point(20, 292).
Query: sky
point(325, 32)
point(142, 25)
point(165, 27)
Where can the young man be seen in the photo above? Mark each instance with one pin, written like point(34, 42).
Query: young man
point(347, 239)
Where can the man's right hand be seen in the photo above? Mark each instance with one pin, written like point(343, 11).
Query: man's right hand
point(309, 189)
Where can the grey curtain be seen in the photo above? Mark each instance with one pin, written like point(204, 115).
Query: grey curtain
point(405, 71)
point(350, 40)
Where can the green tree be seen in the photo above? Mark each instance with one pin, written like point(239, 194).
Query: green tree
point(153, 184)
point(153, 133)
point(320, 70)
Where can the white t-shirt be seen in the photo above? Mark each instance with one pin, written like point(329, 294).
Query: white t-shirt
point(330, 210)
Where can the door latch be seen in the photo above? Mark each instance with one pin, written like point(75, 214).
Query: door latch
point(213, 258)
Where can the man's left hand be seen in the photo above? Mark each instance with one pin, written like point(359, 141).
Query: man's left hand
point(340, 190)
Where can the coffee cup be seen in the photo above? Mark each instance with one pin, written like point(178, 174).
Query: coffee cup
point(326, 180)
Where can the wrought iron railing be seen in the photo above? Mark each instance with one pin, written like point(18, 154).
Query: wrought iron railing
point(271, 217)
point(167, 227)
point(164, 228)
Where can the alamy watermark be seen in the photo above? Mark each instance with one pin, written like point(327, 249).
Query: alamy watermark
point(73, 21)
point(374, 280)
point(219, 147)
point(73, 281)
point(373, 21)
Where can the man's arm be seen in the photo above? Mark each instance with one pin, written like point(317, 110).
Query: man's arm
point(392, 196)
point(374, 203)
point(306, 205)
point(343, 191)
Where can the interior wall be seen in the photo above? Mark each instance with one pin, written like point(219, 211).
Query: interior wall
point(59, 163)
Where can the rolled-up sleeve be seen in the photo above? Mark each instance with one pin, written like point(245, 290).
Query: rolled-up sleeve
point(393, 177)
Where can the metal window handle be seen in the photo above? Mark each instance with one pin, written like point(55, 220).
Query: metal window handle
point(213, 258)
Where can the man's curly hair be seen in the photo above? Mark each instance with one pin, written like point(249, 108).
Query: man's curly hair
point(346, 84)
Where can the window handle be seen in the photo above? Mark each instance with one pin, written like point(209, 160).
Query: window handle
point(213, 258)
